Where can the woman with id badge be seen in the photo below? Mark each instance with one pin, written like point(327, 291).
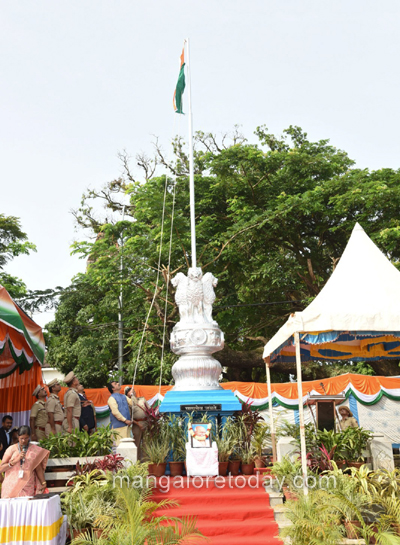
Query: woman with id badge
point(23, 465)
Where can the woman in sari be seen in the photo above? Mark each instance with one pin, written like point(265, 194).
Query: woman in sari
point(24, 465)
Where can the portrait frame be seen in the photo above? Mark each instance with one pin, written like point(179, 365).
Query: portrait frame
point(206, 427)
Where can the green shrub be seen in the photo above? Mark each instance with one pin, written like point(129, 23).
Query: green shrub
point(80, 444)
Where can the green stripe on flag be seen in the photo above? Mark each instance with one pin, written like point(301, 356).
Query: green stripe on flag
point(180, 87)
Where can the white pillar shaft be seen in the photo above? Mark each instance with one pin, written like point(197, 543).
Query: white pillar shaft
point(301, 412)
point(271, 413)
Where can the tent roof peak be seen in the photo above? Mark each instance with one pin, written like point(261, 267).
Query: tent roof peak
point(362, 294)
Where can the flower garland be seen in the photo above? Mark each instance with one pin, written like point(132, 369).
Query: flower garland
point(203, 437)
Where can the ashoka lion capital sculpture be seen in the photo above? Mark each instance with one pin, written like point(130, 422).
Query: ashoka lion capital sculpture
point(196, 336)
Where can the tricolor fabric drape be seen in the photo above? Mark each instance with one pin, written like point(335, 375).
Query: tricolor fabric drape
point(21, 339)
point(16, 394)
point(367, 390)
point(21, 355)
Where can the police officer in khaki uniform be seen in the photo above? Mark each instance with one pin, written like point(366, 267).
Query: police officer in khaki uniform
point(72, 404)
point(139, 421)
point(38, 418)
point(54, 409)
point(348, 420)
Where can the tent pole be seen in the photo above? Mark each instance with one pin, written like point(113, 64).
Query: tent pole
point(271, 413)
point(301, 413)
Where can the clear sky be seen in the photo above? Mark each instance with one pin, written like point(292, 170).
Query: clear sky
point(82, 80)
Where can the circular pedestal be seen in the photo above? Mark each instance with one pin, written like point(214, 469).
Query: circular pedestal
point(196, 369)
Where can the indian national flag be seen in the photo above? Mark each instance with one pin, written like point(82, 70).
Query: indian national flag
point(180, 86)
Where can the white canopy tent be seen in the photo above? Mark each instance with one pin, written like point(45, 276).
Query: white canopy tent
point(356, 316)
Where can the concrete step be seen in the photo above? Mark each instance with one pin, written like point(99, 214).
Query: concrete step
point(280, 513)
point(283, 524)
point(59, 476)
point(57, 489)
point(275, 498)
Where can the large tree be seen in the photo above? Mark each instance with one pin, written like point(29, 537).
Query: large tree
point(272, 221)
point(13, 242)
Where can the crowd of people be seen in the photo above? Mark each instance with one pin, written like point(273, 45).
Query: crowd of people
point(23, 463)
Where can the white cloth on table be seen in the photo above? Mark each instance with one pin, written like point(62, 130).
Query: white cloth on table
point(202, 461)
point(32, 522)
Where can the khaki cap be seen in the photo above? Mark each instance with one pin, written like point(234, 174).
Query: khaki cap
point(36, 390)
point(345, 409)
point(52, 383)
point(69, 378)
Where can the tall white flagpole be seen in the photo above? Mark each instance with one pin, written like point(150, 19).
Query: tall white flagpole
point(191, 169)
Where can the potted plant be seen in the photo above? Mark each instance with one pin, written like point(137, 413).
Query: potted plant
point(314, 519)
point(90, 496)
point(81, 513)
point(261, 435)
point(225, 449)
point(352, 506)
point(78, 447)
point(157, 450)
point(133, 519)
point(247, 456)
point(232, 432)
point(355, 442)
point(177, 441)
point(286, 470)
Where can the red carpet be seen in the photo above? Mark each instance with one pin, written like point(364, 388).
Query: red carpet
point(227, 516)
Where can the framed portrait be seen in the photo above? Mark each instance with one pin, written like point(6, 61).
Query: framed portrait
point(199, 433)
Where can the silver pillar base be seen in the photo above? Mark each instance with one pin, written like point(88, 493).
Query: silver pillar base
point(196, 372)
point(196, 369)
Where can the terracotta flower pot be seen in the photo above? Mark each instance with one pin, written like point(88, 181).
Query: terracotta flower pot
point(247, 469)
point(289, 495)
point(234, 466)
point(159, 469)
point(373, 538)
point(223, 468)
point(259, 462)
point(176, 468)
point(341, 464)
point(78, 533)
point(355, 464)
point(151, 469)
point(396, 529)
point(351, 528)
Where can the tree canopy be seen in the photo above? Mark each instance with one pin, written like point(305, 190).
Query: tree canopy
point(13, 242)
point(272, 220)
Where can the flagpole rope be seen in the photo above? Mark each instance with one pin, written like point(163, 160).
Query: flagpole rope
point(168, 271)
point(167, 287)
point(159, 265)
point(158, 273)
point(156, 287)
